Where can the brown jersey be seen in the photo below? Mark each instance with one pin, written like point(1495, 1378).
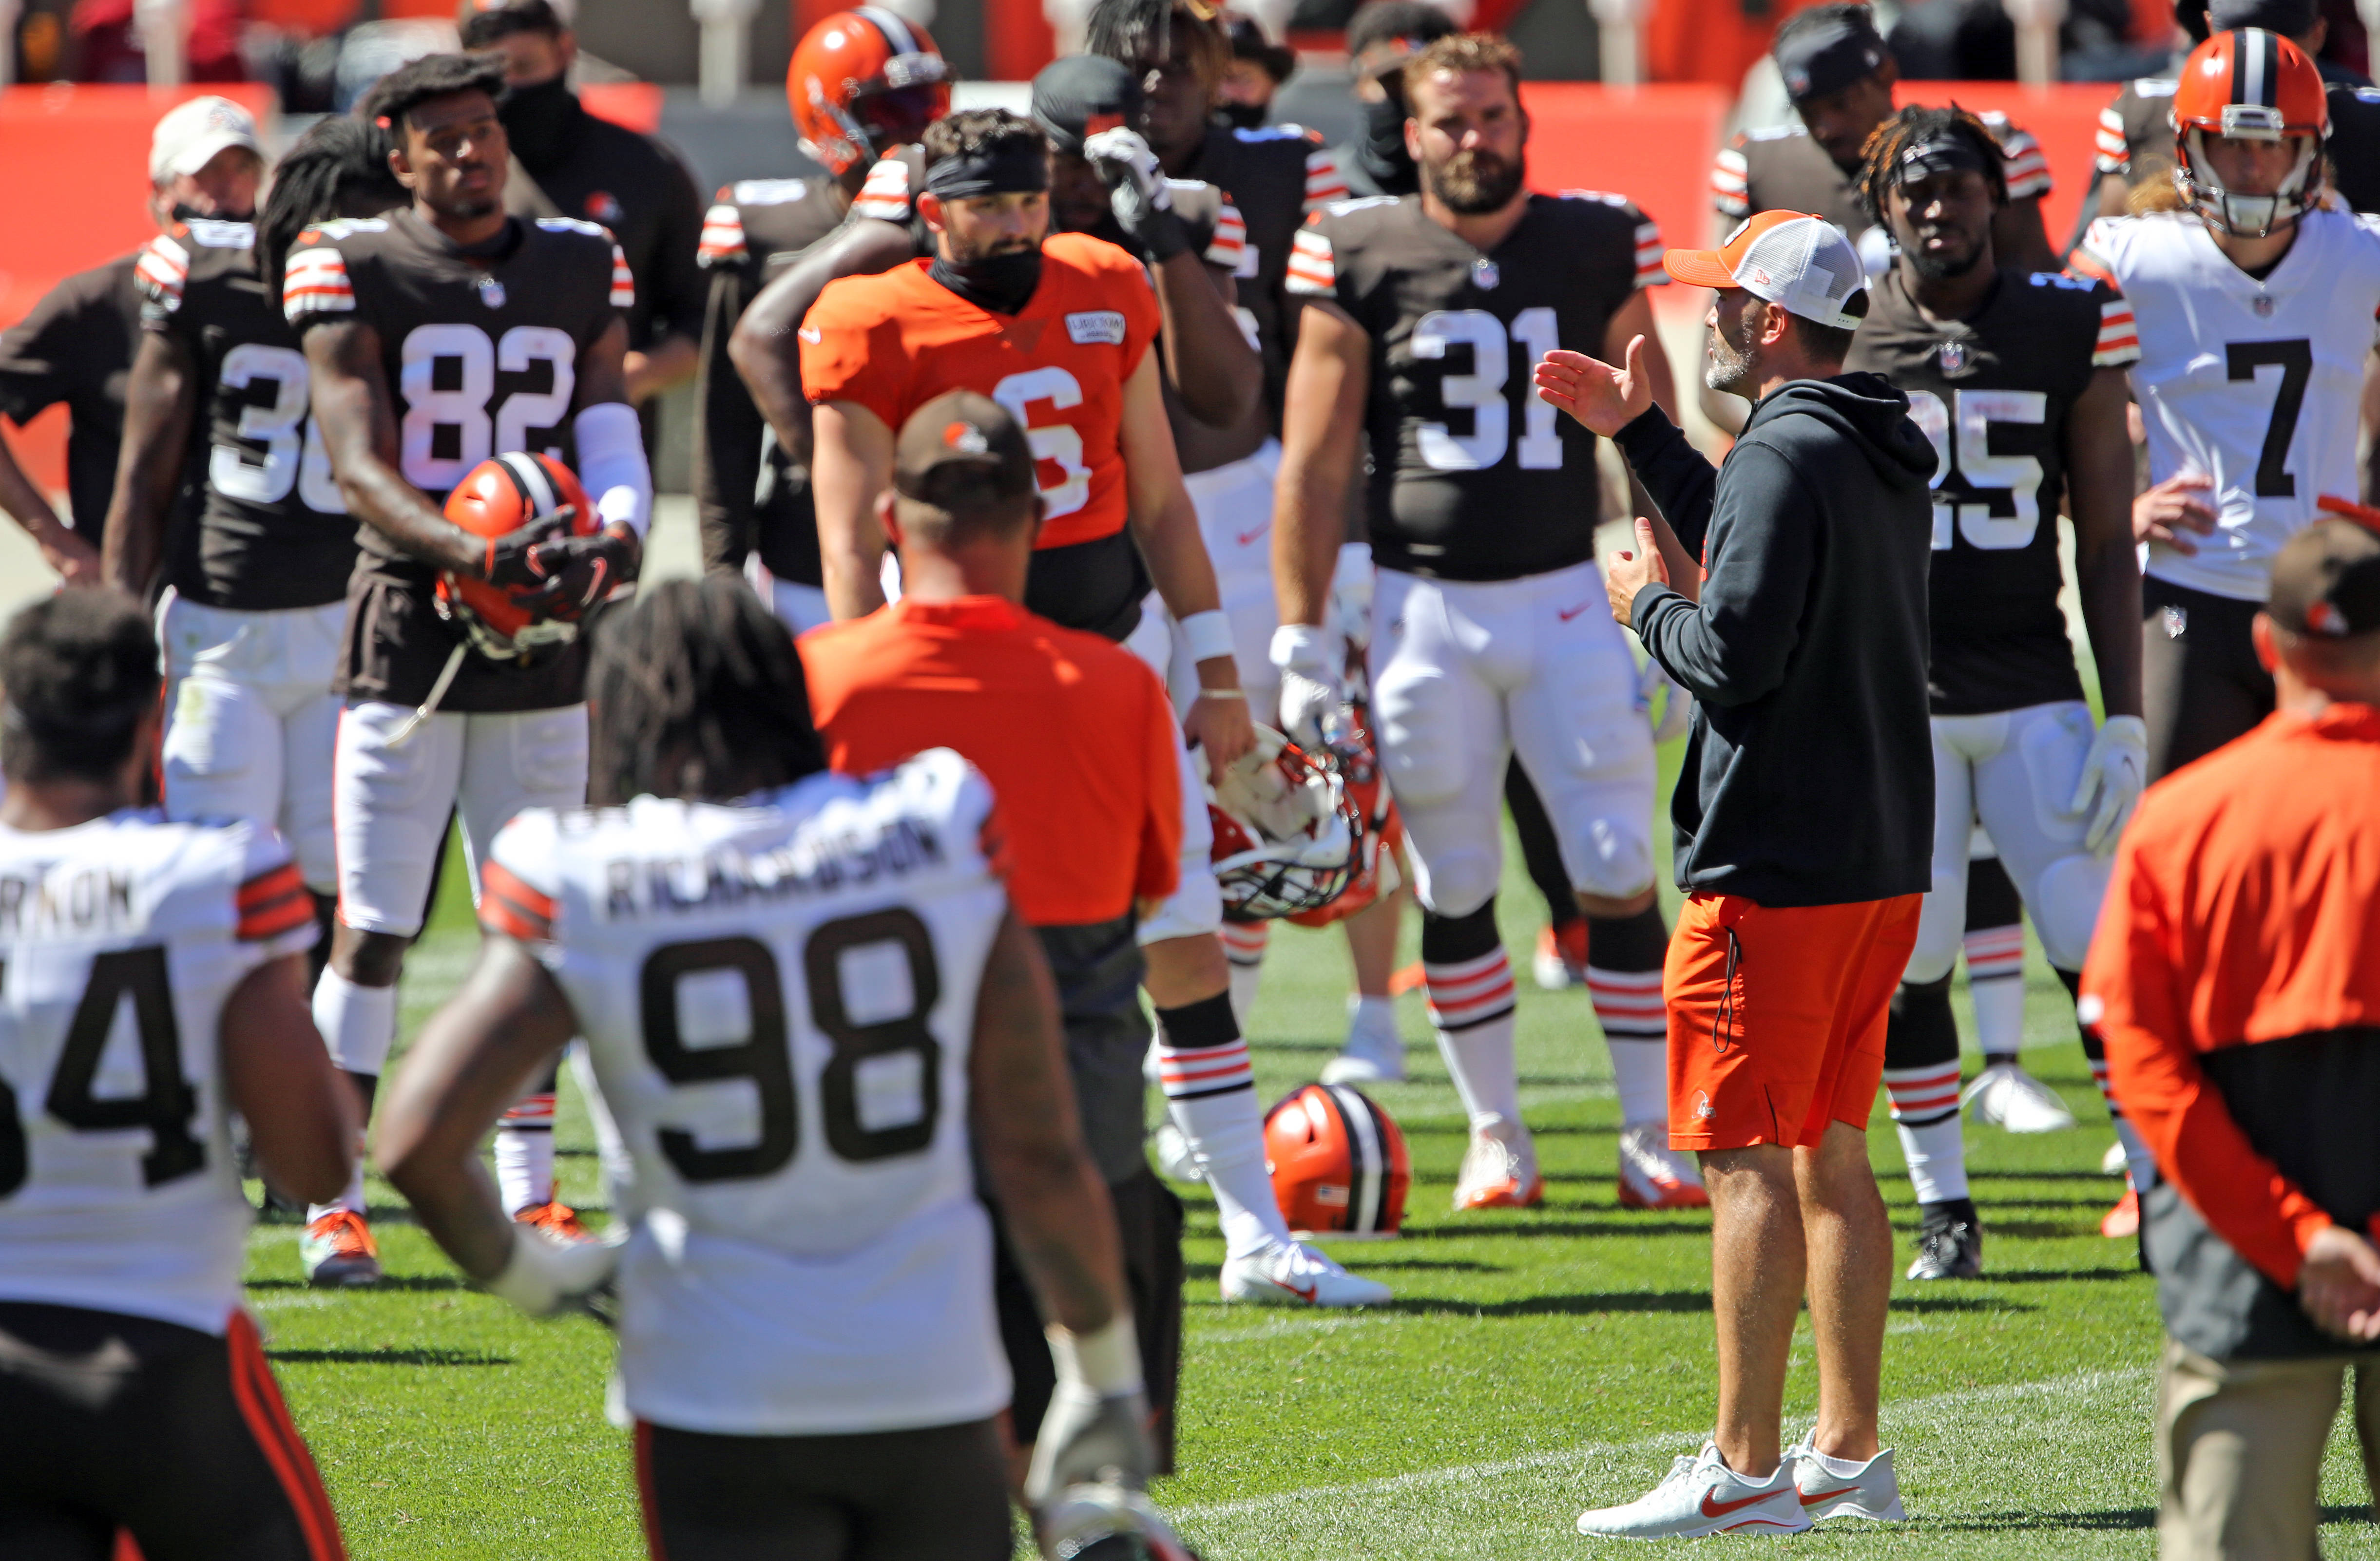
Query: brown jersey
point(1993, 393)
point(749, 496)
point(1473, 477)
point(1785, 169)
point(480, 350)
point(272, 529)
point(76, 347)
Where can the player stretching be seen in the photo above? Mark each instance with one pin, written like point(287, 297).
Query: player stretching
point(136, 1397)
point(437, 336)
point(806, 1000)
point(254, 609)
point(2017, 378)
point(1488, 637)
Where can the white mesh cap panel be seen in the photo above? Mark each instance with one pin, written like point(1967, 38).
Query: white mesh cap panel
point(1807, 266)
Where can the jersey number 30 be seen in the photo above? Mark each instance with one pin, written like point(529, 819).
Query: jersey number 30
point(765, 1054)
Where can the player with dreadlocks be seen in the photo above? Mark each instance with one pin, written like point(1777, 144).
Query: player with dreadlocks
point(2018, 379)
point(808, 1338)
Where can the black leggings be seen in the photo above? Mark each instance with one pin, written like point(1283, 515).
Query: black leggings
point(2201, 685)
point(939, 1494)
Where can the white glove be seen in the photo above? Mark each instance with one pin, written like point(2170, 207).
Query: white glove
point(1095, 1429)
point(1312, 708)
point(1351, 594)
point(1677, 705)
point(1123, 156)
point(2117, 768)
point(545, 1276)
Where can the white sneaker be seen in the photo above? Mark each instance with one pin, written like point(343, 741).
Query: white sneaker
point(1174, 1156)
point(1703, 1495)
point(1499, 1170)
point(1868, 1490)
point(2113, 1162)
point(2005, 1095)
point(1373, 1055)
point(1653, 1175)
point(1296, 1274)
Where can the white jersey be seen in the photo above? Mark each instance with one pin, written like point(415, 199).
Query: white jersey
point(119, 941)
point(778, 997)
point(2257, 385)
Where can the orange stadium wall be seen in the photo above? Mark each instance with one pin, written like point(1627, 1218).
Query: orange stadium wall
point(1652, 144)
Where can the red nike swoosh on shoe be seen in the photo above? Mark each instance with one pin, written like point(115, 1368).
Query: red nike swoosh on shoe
point(1567, 615)
point(1305, 1295)
point(1722, 1508)
point(1812, 1499)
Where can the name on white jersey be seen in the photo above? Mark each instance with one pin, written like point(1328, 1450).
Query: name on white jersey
point(817, 862)
point(93, 899)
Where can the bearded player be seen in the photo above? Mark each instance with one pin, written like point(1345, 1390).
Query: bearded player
point(1425, 314)
point(1060, 332)
point(862, 82)
point(437, 336)
point(254, 609)
point(2018, 379)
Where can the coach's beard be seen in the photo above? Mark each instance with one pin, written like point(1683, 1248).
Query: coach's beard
point(1474, 183)
point(1734, 365)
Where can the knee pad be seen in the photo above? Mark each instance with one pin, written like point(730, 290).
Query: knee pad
point(1447, 940)
point(1417, 716)
point(2065, 906)
point(1614, 859)
point(1921, 1029)
point(1455, 883)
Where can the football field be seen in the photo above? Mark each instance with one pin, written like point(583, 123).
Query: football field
point(1533, 1363)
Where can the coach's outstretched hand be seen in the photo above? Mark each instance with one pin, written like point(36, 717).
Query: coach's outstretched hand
point(2339, 1285)
point(1604, 398)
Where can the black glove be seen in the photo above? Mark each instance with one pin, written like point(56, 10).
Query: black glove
point(581, 573)
point(510, 560)
point(1143, 206)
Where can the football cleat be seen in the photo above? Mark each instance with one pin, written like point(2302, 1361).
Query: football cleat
point(2124, 1220)
point(1499, 1170)
point(556, 1219)
point(1870, 1490)
point(1106, 1522)
point(1654, 1176)
point(1409, 978)
point(1174, 1156)
point(1702, 1495)
point(1338, 1163)
point(2114, 1162)
point(1559, 962)
point(2005, 1095)
point(1296, 1274)
point(339, 1253)
point(1950, 1242)
point(1372, 1056)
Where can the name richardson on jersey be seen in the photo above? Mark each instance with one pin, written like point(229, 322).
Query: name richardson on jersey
point(71, 905)
point(816, 862)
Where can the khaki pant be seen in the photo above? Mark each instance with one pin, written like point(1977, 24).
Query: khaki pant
point(2240, 1448)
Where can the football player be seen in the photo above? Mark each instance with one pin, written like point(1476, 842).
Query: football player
point(1426, 313)
point(254, 609)
point(809, 1009)
point(2018, 379)
point(155, 978)
point(1060, 333)
point(436, 336)
point(862, 82)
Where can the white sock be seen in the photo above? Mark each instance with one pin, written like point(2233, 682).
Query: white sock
point(1373, 1017)
point(1841, 1469)
point(2137, 1158)
point(1226, 1132)
point(1999, 1012)
point(1934, 1148)
point(1640, 1072)
point(1243, 952)
point(525, 1153)
point(1479, 1060)
point(1636, 1027)
point(357, 1023)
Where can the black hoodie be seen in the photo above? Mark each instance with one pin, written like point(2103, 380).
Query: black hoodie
point(1809, 776)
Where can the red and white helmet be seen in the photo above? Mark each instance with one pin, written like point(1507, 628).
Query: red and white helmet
point(1338, 1162)
point(495, 498)
point(1376, 867)
point(2255, 86)
point(863, 82)
point(1288, 838)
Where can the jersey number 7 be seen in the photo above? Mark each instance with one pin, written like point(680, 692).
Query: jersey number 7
point(2295, 361)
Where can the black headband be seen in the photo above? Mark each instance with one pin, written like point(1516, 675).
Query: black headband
point(1011, 167)
point(1942, 154)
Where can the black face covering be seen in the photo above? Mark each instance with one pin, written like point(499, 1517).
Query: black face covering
point(1246, 116)
point(1383, 152)
point(1002, 284)
point(539, 121)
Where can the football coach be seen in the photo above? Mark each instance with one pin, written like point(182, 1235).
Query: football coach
point(1803, 839)
point(2236, 979)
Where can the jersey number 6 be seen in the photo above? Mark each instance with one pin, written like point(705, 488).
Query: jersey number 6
point(765, 1055)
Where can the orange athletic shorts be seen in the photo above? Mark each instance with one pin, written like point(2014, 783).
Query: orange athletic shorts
point(1777, 1016)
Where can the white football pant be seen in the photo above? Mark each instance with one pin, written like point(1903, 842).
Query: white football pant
point(1464, 673)
point(250, 720)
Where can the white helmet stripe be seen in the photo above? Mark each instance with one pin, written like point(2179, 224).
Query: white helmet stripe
point(529, 475)
point(1371, 1163)
point(897, 35)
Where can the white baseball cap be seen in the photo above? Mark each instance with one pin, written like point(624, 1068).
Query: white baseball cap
point(1800, 264)
point(191, 133)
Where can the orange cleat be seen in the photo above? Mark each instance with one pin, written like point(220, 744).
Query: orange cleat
point(2123, 1221)
point(338, 1251)
point(1559, 961)
point(1409, 979)
point(1499, 1170)
point(1654, 1176)
point(557, 1219)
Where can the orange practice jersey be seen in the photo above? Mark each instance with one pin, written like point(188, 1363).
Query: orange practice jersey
point(893, 342)
point(1076, 736)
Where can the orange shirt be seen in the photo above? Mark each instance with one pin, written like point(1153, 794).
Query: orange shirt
point(893, 342)
point(2244, 907)
point(1074, 733)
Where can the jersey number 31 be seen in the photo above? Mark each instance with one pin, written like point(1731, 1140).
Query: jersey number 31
point(1481, 391)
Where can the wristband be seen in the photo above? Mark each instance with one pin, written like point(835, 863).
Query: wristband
point(1106, 1360)
point(1301, 648)
point(1354, 565)
point(1207, 635)
point(1222, 694)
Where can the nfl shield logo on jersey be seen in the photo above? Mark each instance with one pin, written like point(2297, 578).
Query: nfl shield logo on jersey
point(2263, 305)
point(1954, 356)
point(491, 292)
point(1484, 274)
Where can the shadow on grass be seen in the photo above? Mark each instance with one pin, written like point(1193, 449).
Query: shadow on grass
point(1554, 1305)
point(414, 1357)
point(2100, 1178)
point(1619, 1225)
point(2011, 1522)
point(409, 1282)
point(2055, 1275)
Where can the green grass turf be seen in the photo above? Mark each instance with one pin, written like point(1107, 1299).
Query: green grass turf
point(1534, 1363)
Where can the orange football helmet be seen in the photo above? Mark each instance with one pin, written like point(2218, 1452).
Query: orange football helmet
point(862, 82)
point(1338, 1162)
point(499, 496)
point(2257, 86)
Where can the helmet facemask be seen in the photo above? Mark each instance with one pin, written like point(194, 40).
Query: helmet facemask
point(2250, 216)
